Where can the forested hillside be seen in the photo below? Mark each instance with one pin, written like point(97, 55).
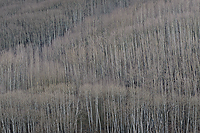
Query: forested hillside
point(41, 21)
point(100, 66)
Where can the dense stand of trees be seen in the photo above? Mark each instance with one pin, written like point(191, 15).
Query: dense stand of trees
point(84, 68)
point(40, 22)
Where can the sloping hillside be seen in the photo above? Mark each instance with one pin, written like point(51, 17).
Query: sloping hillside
point(41, 21)
point(131, 69)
